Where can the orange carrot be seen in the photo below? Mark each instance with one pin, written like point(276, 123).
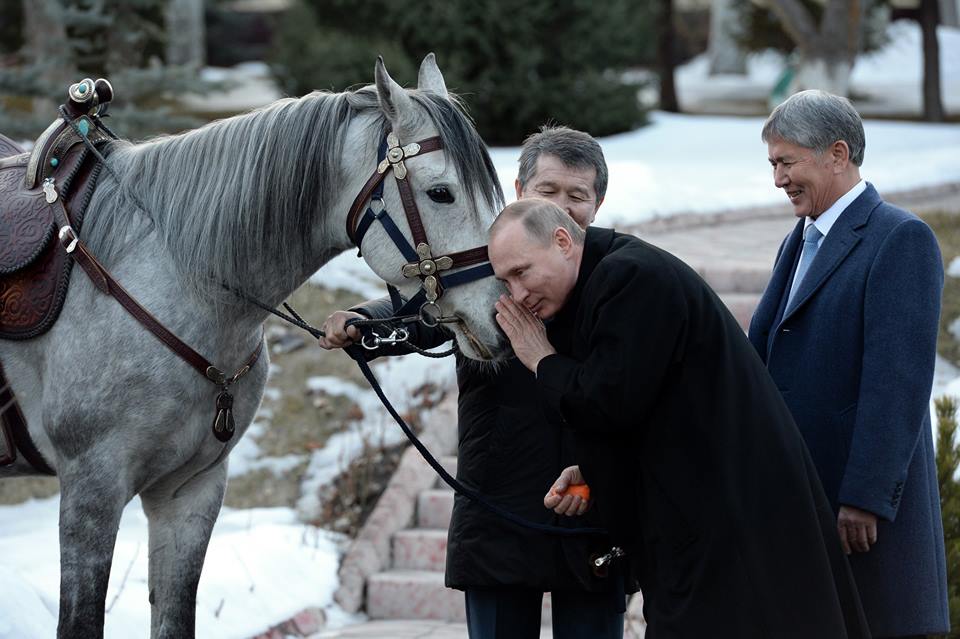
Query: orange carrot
point(580, 490)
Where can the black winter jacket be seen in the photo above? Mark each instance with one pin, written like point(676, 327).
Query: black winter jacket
point(511, 453)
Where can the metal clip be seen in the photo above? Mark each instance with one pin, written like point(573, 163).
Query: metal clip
point(373, 341)
point(615, 553)
point(67, 231)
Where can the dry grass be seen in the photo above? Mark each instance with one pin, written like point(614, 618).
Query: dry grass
point(947, 228)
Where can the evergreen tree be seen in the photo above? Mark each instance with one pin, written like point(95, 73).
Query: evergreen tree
point(121, 40)
point(518, 63)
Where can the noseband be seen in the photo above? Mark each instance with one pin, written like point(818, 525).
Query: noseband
point(421, 262)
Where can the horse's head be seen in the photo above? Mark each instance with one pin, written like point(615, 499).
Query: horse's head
point(439, 187)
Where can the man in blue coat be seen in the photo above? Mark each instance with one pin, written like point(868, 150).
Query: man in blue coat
point(848, 330)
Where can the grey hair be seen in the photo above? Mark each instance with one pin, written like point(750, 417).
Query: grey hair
point(575, 149)
point(815, 120)
point(540, 219)
point(226, 196)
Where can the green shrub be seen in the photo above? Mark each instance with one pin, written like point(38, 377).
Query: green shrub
point(948, 461)
point(517, 63)
point(307, 57)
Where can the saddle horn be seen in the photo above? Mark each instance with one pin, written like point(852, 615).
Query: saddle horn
point(88, 96)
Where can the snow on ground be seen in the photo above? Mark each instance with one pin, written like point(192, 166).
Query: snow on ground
point(263, 565)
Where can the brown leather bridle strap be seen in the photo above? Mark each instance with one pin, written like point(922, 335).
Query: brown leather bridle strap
point(406, 195)
point(412, 212)
point(105, 282)
point(357, 207)
point(472, 256)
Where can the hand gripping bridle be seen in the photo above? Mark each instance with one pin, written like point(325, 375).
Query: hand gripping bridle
point(431, 271)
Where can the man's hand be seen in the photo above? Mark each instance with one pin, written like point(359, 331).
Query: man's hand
point(857, 528)
point(568, 504)
point(336, 335)
point(525, 331)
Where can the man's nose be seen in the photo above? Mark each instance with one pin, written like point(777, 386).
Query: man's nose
point(518, 292)
point(780, 178)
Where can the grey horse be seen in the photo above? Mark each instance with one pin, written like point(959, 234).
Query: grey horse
point(256, 202)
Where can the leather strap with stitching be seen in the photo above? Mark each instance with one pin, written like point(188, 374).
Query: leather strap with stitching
point(105, 282)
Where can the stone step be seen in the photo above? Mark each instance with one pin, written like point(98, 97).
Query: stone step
point(413, 594)
point(420, 549)
point(449, 463)
point(434, 508)
point(741, 306)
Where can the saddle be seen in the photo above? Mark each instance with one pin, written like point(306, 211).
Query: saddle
point(34, 270)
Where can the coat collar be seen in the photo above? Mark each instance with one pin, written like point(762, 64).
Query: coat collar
point(596, 245)
point(844, 235)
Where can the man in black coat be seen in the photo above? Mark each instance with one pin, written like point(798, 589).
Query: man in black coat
point(693, 459)
point(508, 452)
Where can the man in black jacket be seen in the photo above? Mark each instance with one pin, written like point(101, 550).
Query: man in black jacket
point(694, 462)
point(508, 452)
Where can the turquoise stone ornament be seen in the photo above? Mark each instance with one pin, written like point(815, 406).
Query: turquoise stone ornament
point(54, 162)
point(82, 89)
point(84, 127)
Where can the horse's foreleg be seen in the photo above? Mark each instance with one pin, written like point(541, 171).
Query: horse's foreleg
point(180, 530)
point(91, 502)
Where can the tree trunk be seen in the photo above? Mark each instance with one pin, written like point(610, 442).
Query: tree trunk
point(819, 72)
point(726, 55)
point(186, 34)
point(44, 36)
point(932, 101)
point(665, 38)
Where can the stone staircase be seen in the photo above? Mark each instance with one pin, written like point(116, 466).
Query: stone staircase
point(412, 586)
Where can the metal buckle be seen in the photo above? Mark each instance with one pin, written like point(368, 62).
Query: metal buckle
point(66, 231)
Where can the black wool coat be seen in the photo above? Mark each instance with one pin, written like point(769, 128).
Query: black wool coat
point(509, 453)
point(693, 458)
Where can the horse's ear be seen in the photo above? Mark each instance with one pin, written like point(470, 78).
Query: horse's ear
point(394, 101)
point(430, 77)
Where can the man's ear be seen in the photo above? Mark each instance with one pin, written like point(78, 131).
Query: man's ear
point(394, 101)
point(840, 156)
point(519, 188)
point(563, 239)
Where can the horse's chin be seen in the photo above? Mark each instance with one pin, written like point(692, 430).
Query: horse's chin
point(473, 348)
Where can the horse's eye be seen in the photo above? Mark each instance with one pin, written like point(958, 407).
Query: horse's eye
point(441, 195)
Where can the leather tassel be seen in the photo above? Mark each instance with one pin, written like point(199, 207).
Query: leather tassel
point(223, 423)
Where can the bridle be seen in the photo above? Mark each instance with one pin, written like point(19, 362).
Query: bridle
point(421, 264)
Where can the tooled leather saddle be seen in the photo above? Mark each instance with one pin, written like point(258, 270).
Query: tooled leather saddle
point(34, 270)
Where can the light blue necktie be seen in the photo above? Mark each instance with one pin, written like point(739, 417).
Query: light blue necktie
point(811, 236)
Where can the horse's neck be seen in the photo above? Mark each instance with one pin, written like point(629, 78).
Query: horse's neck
point(272, 277)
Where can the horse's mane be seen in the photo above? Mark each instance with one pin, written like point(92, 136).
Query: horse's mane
point(211, 193)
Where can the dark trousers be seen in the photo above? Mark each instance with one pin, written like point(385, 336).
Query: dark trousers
point(514, 613)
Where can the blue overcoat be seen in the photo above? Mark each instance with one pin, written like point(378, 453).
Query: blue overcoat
point(854, 360)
